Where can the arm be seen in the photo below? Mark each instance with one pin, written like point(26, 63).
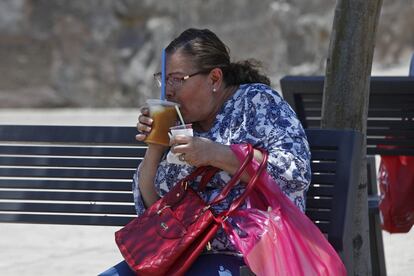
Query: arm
point(144, 180)
point(204, 152)
point(223, 157)
point(147, 172)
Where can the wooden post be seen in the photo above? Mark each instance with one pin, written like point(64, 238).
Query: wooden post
point(346, 95)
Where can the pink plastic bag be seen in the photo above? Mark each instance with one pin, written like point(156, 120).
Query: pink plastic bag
point(280, 241)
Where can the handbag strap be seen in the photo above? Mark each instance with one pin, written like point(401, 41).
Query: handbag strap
point(236, 177)
point(208, 172)
point(238, 201)
point(207, 176)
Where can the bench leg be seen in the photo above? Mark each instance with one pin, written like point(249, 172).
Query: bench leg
point(375, 231)
point(376, 245)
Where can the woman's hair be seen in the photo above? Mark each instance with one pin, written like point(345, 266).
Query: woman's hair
point(208, 52)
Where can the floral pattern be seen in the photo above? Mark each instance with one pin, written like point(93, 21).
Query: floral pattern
point(258, 115)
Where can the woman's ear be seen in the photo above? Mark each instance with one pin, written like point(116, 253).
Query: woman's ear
point(216, 77)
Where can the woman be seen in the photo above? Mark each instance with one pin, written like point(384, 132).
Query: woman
point(227, 103)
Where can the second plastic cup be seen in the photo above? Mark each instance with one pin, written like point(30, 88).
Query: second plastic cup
point(182, 130)
point(164, 116)
point(179, 130)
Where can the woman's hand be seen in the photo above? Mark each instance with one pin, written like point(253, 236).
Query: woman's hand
point(144, 124)
point(196, 151)
point(144, 127)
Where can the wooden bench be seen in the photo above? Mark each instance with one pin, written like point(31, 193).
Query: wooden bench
point(390, 122)
point(81, 175)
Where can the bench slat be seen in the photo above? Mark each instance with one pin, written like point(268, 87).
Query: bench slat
point(323, 179)
point(67, 219)
point(323, 226)
point(329, 178)
point(374, 113)
point(67, 208)
point(320, 203)
point(319, 214)
point(390, 141)
point(69, 134)
point(324, 155)
point(69, 162)
point(313, 101)
point(67, 196)
point(68, 173)
point(70, 150)
point(66, 185)
point(406, 133)
point(323, 191)
point(371, 123)
point(326, 167)
point(396, 151)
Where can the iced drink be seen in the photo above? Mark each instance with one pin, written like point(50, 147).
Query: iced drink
point(164, 116)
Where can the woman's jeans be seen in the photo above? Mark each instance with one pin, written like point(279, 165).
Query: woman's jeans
point(207, 264)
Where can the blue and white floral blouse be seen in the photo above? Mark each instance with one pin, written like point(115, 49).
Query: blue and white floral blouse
point(255, 114)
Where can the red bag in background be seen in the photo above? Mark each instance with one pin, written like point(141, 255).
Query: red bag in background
point(396, 182)
point(281, 240)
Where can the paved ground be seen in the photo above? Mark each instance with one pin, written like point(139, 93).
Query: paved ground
point(83, 250)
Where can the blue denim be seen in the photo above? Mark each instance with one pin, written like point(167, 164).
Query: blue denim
point(121, 269)
point(205, 265)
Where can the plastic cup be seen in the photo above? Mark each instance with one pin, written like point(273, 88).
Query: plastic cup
point(179, 130)
point(182, 130)
point(164, 116)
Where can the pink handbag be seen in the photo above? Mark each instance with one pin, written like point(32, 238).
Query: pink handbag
point(275, 237)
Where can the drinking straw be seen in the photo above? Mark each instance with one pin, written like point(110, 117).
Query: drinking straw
point(163, 74)
point(179, 115)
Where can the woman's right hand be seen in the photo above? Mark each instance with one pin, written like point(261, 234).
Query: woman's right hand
point(144, 127)
point(144, 124)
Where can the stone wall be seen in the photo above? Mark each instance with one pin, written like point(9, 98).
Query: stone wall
point(102, 53)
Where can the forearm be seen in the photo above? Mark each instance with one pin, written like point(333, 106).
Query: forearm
point(223, 157)
point(147, 173)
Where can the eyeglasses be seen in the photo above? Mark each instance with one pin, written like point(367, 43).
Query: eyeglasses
point(174, 82)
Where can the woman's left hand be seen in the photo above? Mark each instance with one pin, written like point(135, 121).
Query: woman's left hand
point(196, 151)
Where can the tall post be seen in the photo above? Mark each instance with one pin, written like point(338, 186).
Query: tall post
point(346, 96)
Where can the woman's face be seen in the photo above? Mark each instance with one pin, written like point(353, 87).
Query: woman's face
point(194, 93)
